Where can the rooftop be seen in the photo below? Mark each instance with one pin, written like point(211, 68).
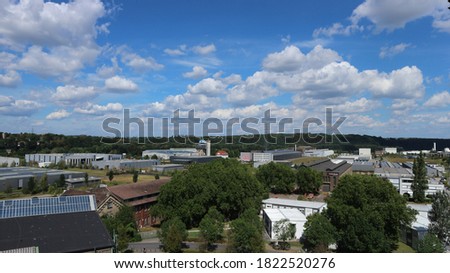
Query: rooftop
point(57, 233)
point(326, 165)
point(295, 203)
point(140, 189)
point(46, 206)
point(279, 214)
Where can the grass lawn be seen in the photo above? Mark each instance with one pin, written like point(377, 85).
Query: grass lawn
point(403, 248)
point(118, 178)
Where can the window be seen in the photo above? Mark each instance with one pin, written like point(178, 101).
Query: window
point(109, 205)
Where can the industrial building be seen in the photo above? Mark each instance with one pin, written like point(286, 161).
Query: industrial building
point(18, 177)
point(305, 207)
point(168, 168)
point(402, 178)
point(9, 161)
point(331, 172)
point(390, 150)
point(365, 154)
point(81, 181)
point(268, 156)
point(272, 216)
point(318, 153)
point(192, 159)
point(166, 154)
point(126, 164)
point(363, 167)
point(72, 159)
point(65, 224)
point(262, 157)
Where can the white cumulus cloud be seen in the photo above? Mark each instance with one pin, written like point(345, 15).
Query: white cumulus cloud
point(118, 84)
point(393, 14)
point(60, 114)
point(18, 107)
point(140, 63)
point(71, 94)
point(393, 50)
point(95, 109)
point(10, 79)
point(441, 99)
point(204, 50)
point(196, 73)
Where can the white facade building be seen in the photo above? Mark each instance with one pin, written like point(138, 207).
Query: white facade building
point(390, 150)
point(318, 153)
point(262, 157)
point(365, 153)
point(9, 160)
point(272, 216)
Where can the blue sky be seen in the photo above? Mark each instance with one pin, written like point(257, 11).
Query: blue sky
point(383, 64)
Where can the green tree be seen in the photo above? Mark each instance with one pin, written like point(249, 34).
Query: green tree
point(124, 226)
point(156, 176)
point(172, 234)
point(278, 178)
point(43, 183)
point(211, 226)
point(439, 217)
point(368, 214)
point(246, 234)
point(154, 157)
point(32, 186)
point(284, 230)
point(135, 176)
point(61, 181)
point(319, 233)
point(110, 175)
point(226, 184)
point(8, 189)
point(308, 180)
point(430, 244)
point(420, 182)
point(86, 179)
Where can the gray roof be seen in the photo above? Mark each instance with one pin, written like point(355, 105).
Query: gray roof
point(56, 233)
point(327, 165)
point(295, 203)
point(279, 214)
point(366, 166)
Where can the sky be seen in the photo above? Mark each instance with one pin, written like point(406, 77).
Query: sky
point(383, 65)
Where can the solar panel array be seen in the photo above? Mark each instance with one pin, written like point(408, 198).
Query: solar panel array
point(46, 205)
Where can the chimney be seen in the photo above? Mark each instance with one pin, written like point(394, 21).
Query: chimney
point(208, 147)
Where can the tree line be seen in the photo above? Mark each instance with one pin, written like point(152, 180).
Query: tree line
point(27, 143)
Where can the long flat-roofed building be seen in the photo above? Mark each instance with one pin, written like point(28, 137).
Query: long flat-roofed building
point(305, 207)
point(18, 177)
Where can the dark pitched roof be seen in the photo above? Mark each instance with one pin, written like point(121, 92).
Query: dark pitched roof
point(326, 165)
point(136, 190)
point(58, 233)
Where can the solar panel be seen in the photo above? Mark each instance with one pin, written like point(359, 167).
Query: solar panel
point(46, 205)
